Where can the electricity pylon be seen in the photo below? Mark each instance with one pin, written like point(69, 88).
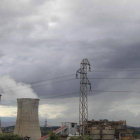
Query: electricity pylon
point(83, 99)
point(45, 123)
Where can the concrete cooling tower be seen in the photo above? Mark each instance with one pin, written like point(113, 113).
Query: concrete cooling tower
point(0, 120)
point(27, 123)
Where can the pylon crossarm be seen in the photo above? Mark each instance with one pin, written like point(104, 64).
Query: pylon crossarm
point(79, 71)
point(88, 82)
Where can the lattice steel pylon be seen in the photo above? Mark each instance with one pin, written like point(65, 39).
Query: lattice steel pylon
point(83, 98)
point(45, 123)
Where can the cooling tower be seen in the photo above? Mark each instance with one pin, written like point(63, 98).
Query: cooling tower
point(0, 120)
point(27, 123)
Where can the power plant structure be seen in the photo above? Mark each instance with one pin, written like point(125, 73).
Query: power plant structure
point(27, 123)
point(68, 129)
point(107, 130)
point(0, 120)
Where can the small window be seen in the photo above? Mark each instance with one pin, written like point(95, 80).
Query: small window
point(26, 138)
point(72, 125)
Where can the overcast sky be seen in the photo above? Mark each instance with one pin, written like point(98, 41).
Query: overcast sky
point(45, 39)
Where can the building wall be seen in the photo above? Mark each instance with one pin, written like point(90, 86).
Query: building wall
point(118, 128)
point(27, 123)
point(71, 128)
point(127, 138)
point(102, 134)
point(96, 133)
point(108, 134)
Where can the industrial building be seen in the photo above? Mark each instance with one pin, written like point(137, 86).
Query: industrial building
point(67, 129)
point(71, 128)
point(27, 123)
point(107, 130)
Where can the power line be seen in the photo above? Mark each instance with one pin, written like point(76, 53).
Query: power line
point(91, 91)
point(61, 95)
point(74, 74)
point(69, 80)
point(49, 97)
point(42, 85)
point(117, 78)
point(40, 81)
point(51, 79)
point(109, 70)
point(114, 91)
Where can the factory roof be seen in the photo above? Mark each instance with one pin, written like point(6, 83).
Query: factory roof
point(59, 129)
point(69, 122)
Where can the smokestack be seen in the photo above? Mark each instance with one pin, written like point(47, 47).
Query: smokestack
point(27, 123)
point(0, 119)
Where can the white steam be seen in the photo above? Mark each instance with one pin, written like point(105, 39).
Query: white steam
point(11, 90)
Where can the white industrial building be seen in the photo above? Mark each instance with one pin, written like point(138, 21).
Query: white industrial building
point(67, 129)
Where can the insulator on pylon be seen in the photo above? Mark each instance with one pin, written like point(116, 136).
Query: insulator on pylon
point(76, 75)
point(90, 88)
point(89, 68)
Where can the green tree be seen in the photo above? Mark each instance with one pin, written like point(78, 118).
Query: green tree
point(74, 138)
point(10, 137)
point(89, 138)
point(78, 138)
point(54, 136)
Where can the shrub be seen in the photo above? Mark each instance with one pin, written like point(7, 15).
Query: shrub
point(78, 138)
point(54, 136)
point(10, 137)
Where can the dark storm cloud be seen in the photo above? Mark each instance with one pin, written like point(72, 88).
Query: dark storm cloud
point(129, 57)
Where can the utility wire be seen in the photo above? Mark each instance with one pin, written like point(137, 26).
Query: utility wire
point(109, 70)
point(116, 78)
point(91, 91)
point(36, 82)
point(40, 81)
point(70, 80)
point(42, 85)
point(61, 95)
point(74, 74)
point(125, 91)
point(49, 97)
